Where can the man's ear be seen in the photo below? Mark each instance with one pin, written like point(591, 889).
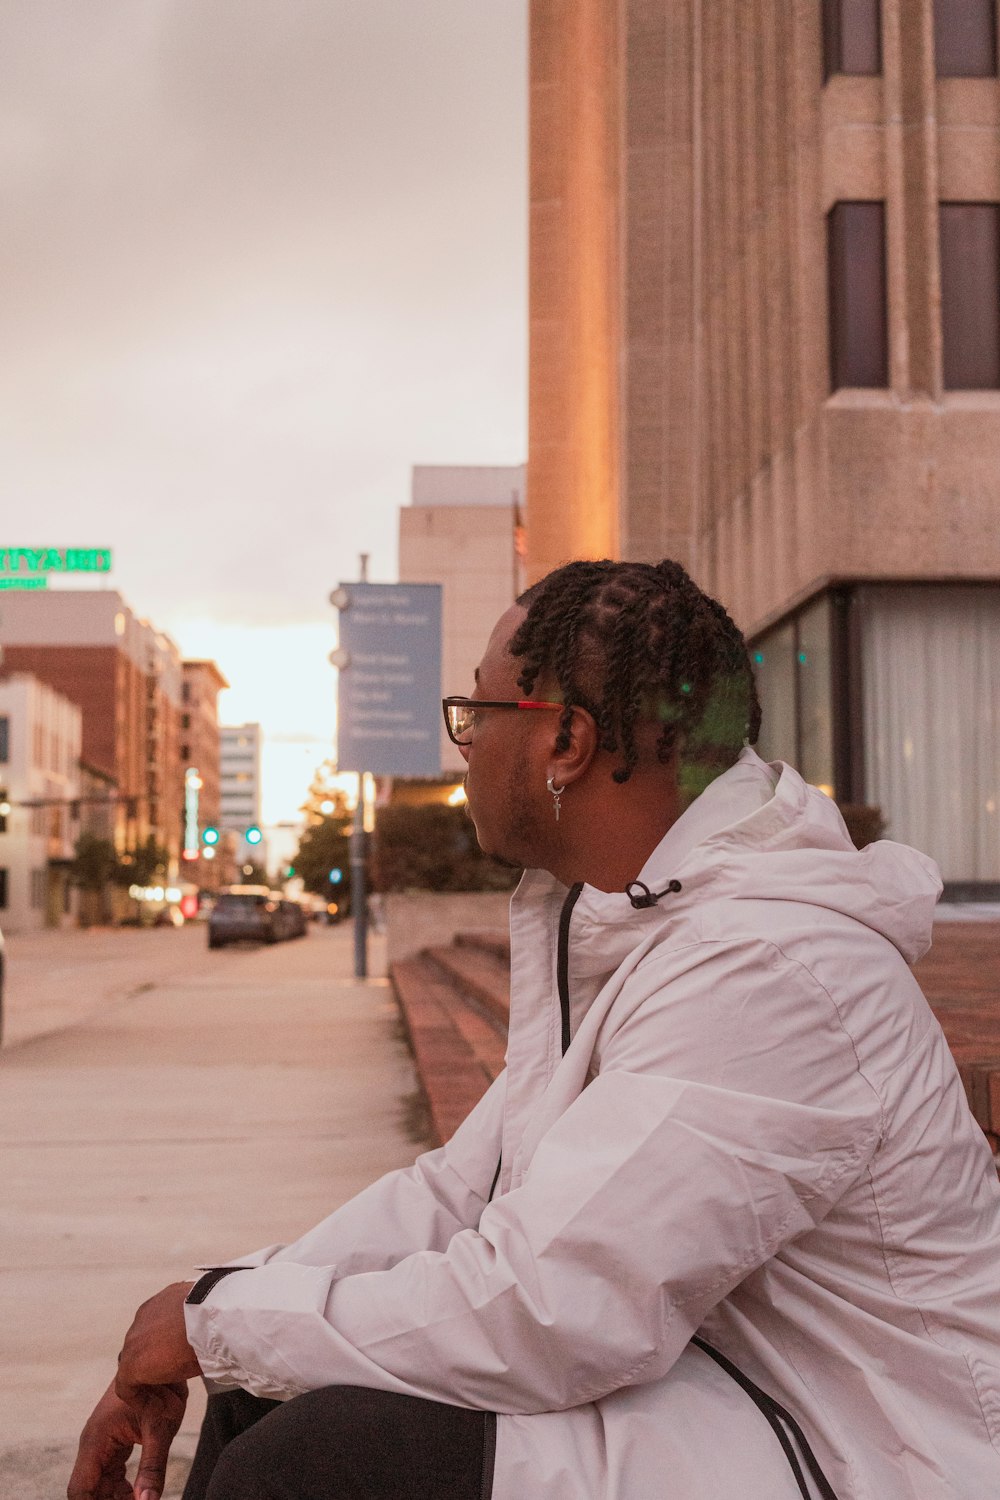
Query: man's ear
point(567, 766)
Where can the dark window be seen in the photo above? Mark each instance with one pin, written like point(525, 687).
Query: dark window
point(3, 889)
point(970, 295)
point(965, 38)
point(859, 336)
point(852, 39)
point(4, 739)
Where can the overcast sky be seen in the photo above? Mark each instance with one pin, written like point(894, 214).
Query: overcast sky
point(257, 258)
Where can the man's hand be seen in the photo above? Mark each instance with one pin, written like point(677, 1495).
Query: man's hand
point(156, 1350)
point(111, 1433)
point(144, 1404)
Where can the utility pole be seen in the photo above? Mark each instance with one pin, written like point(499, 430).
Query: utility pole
point(359, 890)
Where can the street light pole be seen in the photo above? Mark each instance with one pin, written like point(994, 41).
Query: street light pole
point(359, 893)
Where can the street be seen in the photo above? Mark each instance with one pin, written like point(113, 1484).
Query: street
point(163, 1106)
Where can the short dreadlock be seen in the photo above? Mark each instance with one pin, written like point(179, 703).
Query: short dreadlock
point(638, 642)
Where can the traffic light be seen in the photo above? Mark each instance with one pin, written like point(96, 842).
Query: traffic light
point(210, 836)
point(336, 876)
point(253, 834)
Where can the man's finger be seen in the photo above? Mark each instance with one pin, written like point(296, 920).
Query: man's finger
point(159, 1420)
point(152, 1475)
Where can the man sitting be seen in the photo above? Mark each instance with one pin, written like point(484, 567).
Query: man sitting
point(724, 1226)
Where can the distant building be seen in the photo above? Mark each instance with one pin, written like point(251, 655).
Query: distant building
point(200, 747)
point(240, 779)
point(40, 737)
point(125, 677)
point(765, 340)
point(463, 531)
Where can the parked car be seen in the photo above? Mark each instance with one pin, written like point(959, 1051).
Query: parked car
point(2, 968)
point(245, 913)
point(295, 918)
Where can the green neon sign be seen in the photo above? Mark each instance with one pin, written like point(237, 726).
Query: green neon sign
point(31, 567)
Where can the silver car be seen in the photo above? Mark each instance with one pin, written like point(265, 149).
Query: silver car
point(245, 913)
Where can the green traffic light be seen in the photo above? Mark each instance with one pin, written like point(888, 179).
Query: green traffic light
point(253, 834)
point(210, 836)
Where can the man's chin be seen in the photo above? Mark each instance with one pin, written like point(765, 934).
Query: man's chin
point(507, 864)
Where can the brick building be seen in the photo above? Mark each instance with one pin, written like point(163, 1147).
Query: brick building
point(200, 747)
point(125, 677)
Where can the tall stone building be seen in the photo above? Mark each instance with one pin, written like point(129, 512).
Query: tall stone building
point(765, 340)
point(463, 531)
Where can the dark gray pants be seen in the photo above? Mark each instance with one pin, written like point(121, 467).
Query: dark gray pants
point(342, 1443)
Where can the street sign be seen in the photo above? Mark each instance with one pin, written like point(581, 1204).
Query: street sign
point(389, 691)
point(31, 567)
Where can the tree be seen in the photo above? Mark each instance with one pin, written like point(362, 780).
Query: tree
point(141, 865)
point(323, 847)
point(324, 799)
point(95, 863)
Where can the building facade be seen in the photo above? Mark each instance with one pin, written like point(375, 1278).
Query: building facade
point(765, 340)
point(125, 677)
point(463, 530)
point(40, 739)
point(240, 777)
point(200, 749)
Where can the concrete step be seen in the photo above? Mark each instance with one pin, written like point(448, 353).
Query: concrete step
point(457, 1051)
point(480, 977)
point(456, 1002)
point(497, 943)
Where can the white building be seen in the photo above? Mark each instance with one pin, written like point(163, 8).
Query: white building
point(239, 776)
point(40, 738)
point(463, 531)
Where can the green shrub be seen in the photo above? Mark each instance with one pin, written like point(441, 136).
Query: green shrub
point(432, 848)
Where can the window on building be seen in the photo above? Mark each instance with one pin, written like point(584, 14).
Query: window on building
point(793, 668)
point(970, 295)
point(4, 739)
point(859, 332)
point(852, 37)
point(39, 885)
point(965, 38)
point(4, 882)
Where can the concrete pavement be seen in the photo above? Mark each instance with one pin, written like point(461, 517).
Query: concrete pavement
point(203, 1104)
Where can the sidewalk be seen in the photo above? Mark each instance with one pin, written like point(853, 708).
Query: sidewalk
point(228, 1107)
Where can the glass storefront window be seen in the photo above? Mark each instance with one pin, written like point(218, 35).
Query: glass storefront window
point(815, 716)
point(773, 657)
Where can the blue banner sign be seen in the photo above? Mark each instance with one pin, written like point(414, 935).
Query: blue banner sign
point(389, 685)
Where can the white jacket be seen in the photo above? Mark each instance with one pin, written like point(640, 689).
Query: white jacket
point(755, 1131)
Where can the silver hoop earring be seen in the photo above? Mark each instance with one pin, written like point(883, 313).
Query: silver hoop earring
point(556, 793)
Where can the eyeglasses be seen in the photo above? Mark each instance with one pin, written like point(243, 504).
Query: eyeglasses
point(460, 714)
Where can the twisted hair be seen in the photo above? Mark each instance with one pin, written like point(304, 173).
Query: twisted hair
point(637, 643)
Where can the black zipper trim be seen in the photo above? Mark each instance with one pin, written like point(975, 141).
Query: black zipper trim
point(496, 1179)
point(562, 959)
point(775, 1415)
point(489, 1454)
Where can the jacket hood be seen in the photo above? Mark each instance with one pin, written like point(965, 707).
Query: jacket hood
point(760, 832)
